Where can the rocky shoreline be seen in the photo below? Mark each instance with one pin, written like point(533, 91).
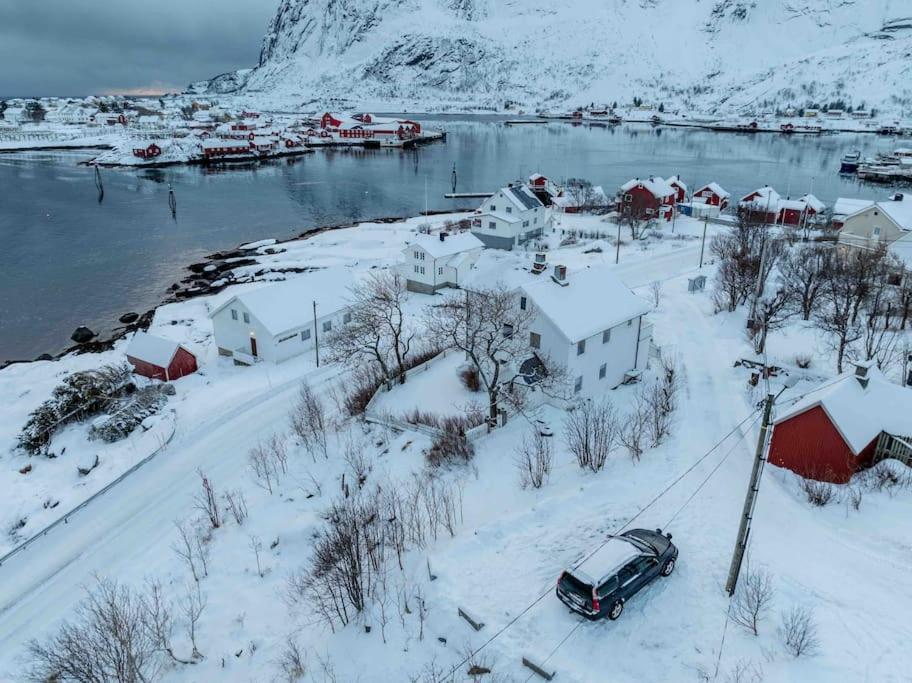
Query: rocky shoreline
point(205, 278)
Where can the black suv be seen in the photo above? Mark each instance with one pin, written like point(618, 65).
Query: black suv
point(627, 563)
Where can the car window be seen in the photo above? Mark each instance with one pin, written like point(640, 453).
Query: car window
point(627, 572)
point(608, 587)
point(641, 564)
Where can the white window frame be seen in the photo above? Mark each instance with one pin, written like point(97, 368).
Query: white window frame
point(578, 385)
point(327, 325)
point(606, 336)
point(234, 315)
point(581, 347)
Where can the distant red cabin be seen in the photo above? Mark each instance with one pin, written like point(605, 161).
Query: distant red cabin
point(679, 187)
point(149, 152)
point(329, 121)
point(713, 195)
point(648, 199)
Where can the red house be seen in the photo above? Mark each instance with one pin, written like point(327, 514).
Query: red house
point(149, 152)
point(712, 194)
point(763, 203)
point(834, 431)
point(650, 198)
point(680, 188)
point(215, 148)
point(158, 358)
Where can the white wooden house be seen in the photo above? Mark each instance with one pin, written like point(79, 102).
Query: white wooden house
point(276, 322)
point(591, 324)
point(436, 261)
point(510, 216)
point(880, 223)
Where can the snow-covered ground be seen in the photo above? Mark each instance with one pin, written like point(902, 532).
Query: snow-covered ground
point(510, 545)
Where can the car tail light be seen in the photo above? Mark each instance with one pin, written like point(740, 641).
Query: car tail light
point(595, 601)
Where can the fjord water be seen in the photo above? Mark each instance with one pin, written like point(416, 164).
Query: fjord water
point(68, 260)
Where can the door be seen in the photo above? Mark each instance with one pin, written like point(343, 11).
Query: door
point(636, 574)
point(253, 346)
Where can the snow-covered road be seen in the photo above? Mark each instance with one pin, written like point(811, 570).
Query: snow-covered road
point(129, 525)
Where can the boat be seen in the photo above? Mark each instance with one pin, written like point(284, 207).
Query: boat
point(850, 162)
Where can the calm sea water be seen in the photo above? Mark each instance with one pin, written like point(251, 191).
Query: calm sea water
point(68, 260)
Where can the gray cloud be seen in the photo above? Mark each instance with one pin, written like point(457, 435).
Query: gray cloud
point(78, 47)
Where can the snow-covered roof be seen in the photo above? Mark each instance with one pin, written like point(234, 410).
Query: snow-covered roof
point(676, 180)
point(657, 186)
point(716, 189)
point(453, 244)
point(765, 197)
point(846, 206)
point(606, 560)
point(813, 203)
point(501, 216)
point(859, 413)
point(902, 249)
point(900, 211)
point(287, 305)
point(566, 200)
point(220, 143)
point(593, 301)
point(793, 204)
point(151, 349)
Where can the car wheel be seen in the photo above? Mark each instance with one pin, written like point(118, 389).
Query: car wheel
point(616, 610)
point(669, 567)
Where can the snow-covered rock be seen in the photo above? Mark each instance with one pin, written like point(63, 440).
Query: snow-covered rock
point(713, 56)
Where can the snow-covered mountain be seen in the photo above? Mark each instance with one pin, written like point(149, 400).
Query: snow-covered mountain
point(712, 55)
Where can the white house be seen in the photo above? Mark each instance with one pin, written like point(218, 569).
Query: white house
point(509, 217)
point(436, 261)
point(278, 321)
point(881, 223)
point(590, 323)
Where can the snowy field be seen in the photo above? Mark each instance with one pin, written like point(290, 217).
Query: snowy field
point(504, 546)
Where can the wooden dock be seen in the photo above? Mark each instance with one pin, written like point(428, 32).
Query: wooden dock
point(468, 195)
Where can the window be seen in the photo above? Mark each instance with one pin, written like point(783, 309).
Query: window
point(493, 208)
point(417, 256)
point(525, 224)
point(327, 326)
point(509, 209)
point(492, 225)
point(876, 231)
point(440, 271)
point(608, 587)
point(346, 318)
point(581, 347)
point(522, 303)
point(578, 385)
point(630, 322)
point(603, 371)
point(422, 256)
point(417, 269)
point(422, 270)
point(305, 335)
point(233, 314)
point(507, 330)
point(534, 340)
point(606, 336)
point(246, 317)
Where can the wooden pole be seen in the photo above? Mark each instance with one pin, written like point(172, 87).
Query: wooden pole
point(316, 336)
point(703, 244)
point(617, 255)
point(750, 500)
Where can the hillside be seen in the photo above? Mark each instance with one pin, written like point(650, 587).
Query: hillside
point(707, 55)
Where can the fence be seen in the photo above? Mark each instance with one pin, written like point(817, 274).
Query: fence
point(65, 518)
point(895, 447)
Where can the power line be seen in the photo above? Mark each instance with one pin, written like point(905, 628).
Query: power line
point(630, 521)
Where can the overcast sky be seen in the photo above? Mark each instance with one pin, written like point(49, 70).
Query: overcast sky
point(81, 47)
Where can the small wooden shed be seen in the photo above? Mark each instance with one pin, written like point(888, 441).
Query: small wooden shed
point(158, 358)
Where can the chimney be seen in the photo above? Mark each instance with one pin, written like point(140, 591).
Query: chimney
point(862, 370)
point(443, 236)
point(560, 275)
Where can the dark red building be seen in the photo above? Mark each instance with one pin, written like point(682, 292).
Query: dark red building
point(714, 195)
point(149, 152)
point(833, 432)
point(158, 358)
point(649, 198)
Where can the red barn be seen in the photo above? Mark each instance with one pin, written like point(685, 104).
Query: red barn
point(833, 431)
point(158, 358)
point(763, 203)
point(330, 121)
point(712, 194)
point(149, 152)
point(651, 198)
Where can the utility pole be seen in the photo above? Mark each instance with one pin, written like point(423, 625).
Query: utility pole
point(316, 336)
point(617, 255)
point(703, 244)
point(750, 500)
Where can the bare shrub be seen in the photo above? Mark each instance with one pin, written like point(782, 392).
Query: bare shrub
point(237, 505)
point(191, 547)
point(592, 430)
point(207, 501)
point(803, 360)
point(745, 671)
point(292, 661)
point(752, 599)
point(470, 378)
point(798, 631)
point(661, 399)
point(256, 545)
point(108, 638)
point(365, 382)
point(192, 607)
point(265, 465)
point(308, 421)
point(450, 447)
point(634, 432)
point(655, 293)
point(533, 460)
point(818, 493)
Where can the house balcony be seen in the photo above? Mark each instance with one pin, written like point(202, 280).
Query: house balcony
point(242, 356)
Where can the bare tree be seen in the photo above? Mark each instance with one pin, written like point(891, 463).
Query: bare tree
point(633, 433)
point(207, 501)
point(292, 661)
point(491, 328)
point(838, 296)
point(798, 631)
point(745, 671)
point(187, 549)
point(237, 505)
point(773, 311)
point(638, 215)
point(192, 606)
point(752, 598)
point(661, 400)
point(803, 272)
point(592, 431)
point(655, 291)
point(378, 331)
point(106, 639)
point(309, 421)
point(533, 459)
point(263, 467)
point(256, 545)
